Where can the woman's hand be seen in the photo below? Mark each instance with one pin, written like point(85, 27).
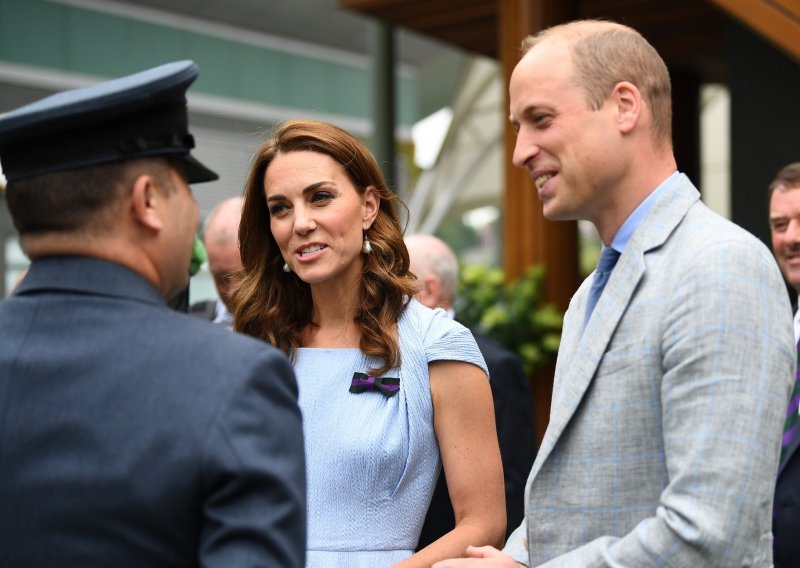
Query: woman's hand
point(480, 557)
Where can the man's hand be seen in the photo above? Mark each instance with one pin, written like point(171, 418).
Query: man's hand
point(480, 556)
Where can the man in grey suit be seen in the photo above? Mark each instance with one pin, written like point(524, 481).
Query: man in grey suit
point(130, 434)
point(668, 401)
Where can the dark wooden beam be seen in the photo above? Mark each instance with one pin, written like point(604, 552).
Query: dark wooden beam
point(777, 21)
point(529, 238)
point(689, 34)
point(468, 24)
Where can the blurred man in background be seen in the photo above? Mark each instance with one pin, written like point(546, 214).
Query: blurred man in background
point(436, 268)
point(784, 223)
point(221, 240)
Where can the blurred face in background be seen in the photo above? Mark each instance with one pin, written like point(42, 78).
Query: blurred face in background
point(784, 223)
point(221, 240)
point(224, 263)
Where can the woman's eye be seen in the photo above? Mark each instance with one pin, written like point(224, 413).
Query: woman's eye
point(277, 209)
point(322, 196)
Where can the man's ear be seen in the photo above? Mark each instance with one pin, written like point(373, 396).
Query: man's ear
point(628, 105)
point(146, 203)
point(431, 293)
point(370, 202)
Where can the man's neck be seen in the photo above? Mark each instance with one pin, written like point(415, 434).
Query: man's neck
point(108, 247)
point(637, 187)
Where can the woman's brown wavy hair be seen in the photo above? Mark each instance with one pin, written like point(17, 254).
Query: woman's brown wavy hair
point(276, 306)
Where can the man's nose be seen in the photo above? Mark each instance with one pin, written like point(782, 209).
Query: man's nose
point(525, 149)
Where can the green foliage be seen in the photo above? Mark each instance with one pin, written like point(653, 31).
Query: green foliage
point(513, 313)
point(457, 234)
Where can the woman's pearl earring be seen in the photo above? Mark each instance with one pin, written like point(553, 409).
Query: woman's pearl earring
point(286, 267)
point(366, 248)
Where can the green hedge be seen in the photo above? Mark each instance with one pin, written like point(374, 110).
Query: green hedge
point(513, 313)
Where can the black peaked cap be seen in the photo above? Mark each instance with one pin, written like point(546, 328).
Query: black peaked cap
point(139, 115)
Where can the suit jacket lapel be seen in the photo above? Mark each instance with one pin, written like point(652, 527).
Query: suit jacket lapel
point(582, 351)
point(574, 377)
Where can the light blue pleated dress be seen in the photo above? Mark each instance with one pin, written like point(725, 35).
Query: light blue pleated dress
point(372, 461)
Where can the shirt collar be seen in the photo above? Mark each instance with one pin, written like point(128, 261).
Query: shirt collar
point(634, 219)
point(222, 316)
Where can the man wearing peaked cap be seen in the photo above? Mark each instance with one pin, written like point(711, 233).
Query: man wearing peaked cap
point(130, 434)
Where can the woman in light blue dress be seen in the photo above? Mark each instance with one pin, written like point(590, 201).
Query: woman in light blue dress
point(390, 390)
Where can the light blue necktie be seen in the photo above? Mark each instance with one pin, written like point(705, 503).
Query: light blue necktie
point(608, 258)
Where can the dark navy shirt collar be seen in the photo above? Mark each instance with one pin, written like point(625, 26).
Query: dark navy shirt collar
point(86, 275)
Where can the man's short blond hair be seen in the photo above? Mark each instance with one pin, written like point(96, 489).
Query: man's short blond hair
point(606, 53)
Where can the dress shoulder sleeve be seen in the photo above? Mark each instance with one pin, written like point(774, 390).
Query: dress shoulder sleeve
point(444, 339)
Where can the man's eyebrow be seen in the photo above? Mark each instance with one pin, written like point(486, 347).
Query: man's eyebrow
point(529, 110)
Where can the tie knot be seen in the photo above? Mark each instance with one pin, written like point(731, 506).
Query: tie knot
point(608, 258)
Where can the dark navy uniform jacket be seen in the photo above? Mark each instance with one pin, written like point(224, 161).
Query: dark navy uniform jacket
point(133, 435)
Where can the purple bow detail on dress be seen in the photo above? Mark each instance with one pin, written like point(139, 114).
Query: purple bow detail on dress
point(387, 386)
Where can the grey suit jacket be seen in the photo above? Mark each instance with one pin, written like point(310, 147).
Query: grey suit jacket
point(665, 424)
point(133, 435)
